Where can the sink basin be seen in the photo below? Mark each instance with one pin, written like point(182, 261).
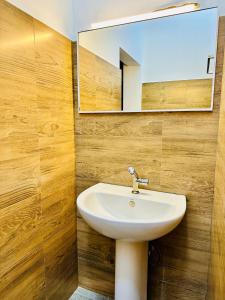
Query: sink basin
point(132, 220)
point(117, 213)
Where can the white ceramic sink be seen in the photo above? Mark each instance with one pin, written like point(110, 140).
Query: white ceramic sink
point(115, 212)
point(131, 220)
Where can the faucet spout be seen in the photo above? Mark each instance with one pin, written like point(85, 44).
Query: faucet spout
point(137, 180)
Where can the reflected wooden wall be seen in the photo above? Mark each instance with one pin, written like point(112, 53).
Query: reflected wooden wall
point(177, 152)
point(183, 94)
point(100, 83)
point(37, 219)
point(217, 270)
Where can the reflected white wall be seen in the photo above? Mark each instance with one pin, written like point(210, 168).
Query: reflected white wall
point(132, 88)
point(107, 42)
point(177, 48)
point(167, 49)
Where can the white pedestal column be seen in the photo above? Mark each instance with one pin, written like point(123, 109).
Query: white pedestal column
point(131, 270)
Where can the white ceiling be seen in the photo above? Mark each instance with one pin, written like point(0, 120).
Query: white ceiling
point(70, 16)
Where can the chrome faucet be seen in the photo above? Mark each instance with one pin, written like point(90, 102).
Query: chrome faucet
point(137, 180)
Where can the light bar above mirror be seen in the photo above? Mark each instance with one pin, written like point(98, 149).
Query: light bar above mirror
point(163, 12)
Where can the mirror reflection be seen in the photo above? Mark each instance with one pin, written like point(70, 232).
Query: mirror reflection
point(163, 64)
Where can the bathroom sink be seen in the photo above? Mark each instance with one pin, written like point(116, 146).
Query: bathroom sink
point(115, 212)
point(132, 220)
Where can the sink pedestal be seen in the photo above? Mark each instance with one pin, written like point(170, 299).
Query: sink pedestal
point(116, 213)
point(131, 270)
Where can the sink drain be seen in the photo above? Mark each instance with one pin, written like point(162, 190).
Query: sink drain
point(132, 203)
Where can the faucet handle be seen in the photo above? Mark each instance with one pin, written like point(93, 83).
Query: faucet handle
point(143, 181)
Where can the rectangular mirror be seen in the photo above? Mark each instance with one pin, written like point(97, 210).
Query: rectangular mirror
point(164, 64)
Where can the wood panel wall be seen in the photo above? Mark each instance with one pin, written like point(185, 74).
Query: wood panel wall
point(217, 270)
point(177, 152)
point(100, 83)
point(183, 94)
point(37, 215)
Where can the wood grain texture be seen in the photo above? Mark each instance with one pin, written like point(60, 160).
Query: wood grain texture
point(177, 152)
point(37, 219)
point(100, 83)
point(217, 270)
point(183, 94)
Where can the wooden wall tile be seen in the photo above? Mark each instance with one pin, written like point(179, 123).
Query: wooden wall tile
point(18, 127)
point(37, 172)
point(96, 260)
point(57, 165)
point(177, 94)
point(100, 83)
point(217, 268)
point(21, 258)
point(176, 151)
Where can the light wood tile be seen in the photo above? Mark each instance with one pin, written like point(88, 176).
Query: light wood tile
point(183, 94)
point(176, 151)
point(217, 268)
point(100, 83)
point(37, 187)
